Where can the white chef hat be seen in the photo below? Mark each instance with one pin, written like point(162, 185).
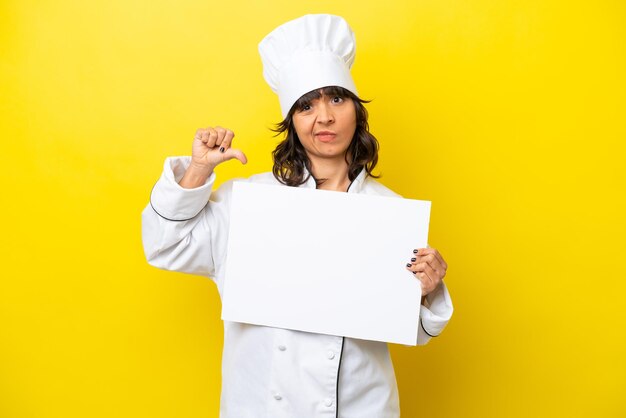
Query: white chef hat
point(308, 53)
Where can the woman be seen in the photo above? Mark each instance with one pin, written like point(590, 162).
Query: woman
point(271, 372)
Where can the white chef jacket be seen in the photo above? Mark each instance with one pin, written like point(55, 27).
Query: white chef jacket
point(270, 372)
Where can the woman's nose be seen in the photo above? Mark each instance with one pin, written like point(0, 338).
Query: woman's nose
point(325, 114)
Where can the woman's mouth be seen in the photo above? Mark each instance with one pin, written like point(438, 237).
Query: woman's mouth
point(325, 136)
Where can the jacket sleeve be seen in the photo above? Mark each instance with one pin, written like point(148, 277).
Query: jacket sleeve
point(434, 314)
point(186, 230)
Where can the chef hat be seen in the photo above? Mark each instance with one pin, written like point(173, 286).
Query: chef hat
point(308, 53)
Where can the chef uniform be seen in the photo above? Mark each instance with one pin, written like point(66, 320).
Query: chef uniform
point(270, 372)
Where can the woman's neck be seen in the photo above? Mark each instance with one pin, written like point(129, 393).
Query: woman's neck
point(333, 173)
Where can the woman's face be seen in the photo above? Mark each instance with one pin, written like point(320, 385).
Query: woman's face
point(325, 127)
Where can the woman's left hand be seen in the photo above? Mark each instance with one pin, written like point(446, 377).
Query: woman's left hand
point(429, 267)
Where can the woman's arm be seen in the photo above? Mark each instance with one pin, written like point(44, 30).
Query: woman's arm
point(435, 313)
point(185, 225)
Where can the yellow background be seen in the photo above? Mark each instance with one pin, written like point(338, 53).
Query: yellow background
point(508, 115)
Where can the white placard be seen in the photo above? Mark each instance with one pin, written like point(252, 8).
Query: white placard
point(324, 262)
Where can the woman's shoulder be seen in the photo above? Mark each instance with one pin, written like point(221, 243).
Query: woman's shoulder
point(374, 187)
point(261, 178)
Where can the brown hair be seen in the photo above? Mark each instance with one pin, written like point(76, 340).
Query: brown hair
point(290, 159)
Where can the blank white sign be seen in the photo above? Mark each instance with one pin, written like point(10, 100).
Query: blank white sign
point(324, 262)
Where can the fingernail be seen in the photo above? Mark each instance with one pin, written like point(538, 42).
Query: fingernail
point(414, 251)
point(408, 264)
point(413, 259)
point(222, 149)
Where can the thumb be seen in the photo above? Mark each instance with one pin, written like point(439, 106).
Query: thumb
point(231, 153)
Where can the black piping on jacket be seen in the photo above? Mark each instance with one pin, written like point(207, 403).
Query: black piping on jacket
point(343, 340)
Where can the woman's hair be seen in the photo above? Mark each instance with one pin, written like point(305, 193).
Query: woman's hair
point(290, 159)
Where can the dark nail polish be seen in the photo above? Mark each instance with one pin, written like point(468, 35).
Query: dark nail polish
point(414, 251)
point(222, 149)
point(408, 264)
point(413, 259)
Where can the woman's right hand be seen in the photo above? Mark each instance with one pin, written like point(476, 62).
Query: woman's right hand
point(211, 147)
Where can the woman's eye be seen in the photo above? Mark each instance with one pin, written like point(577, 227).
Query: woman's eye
point(337, 99)
point(305, 107)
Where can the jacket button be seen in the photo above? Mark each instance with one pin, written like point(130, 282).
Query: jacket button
point(328, 402)
point(330, 355)
point(277, 396)
point(282, 347)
